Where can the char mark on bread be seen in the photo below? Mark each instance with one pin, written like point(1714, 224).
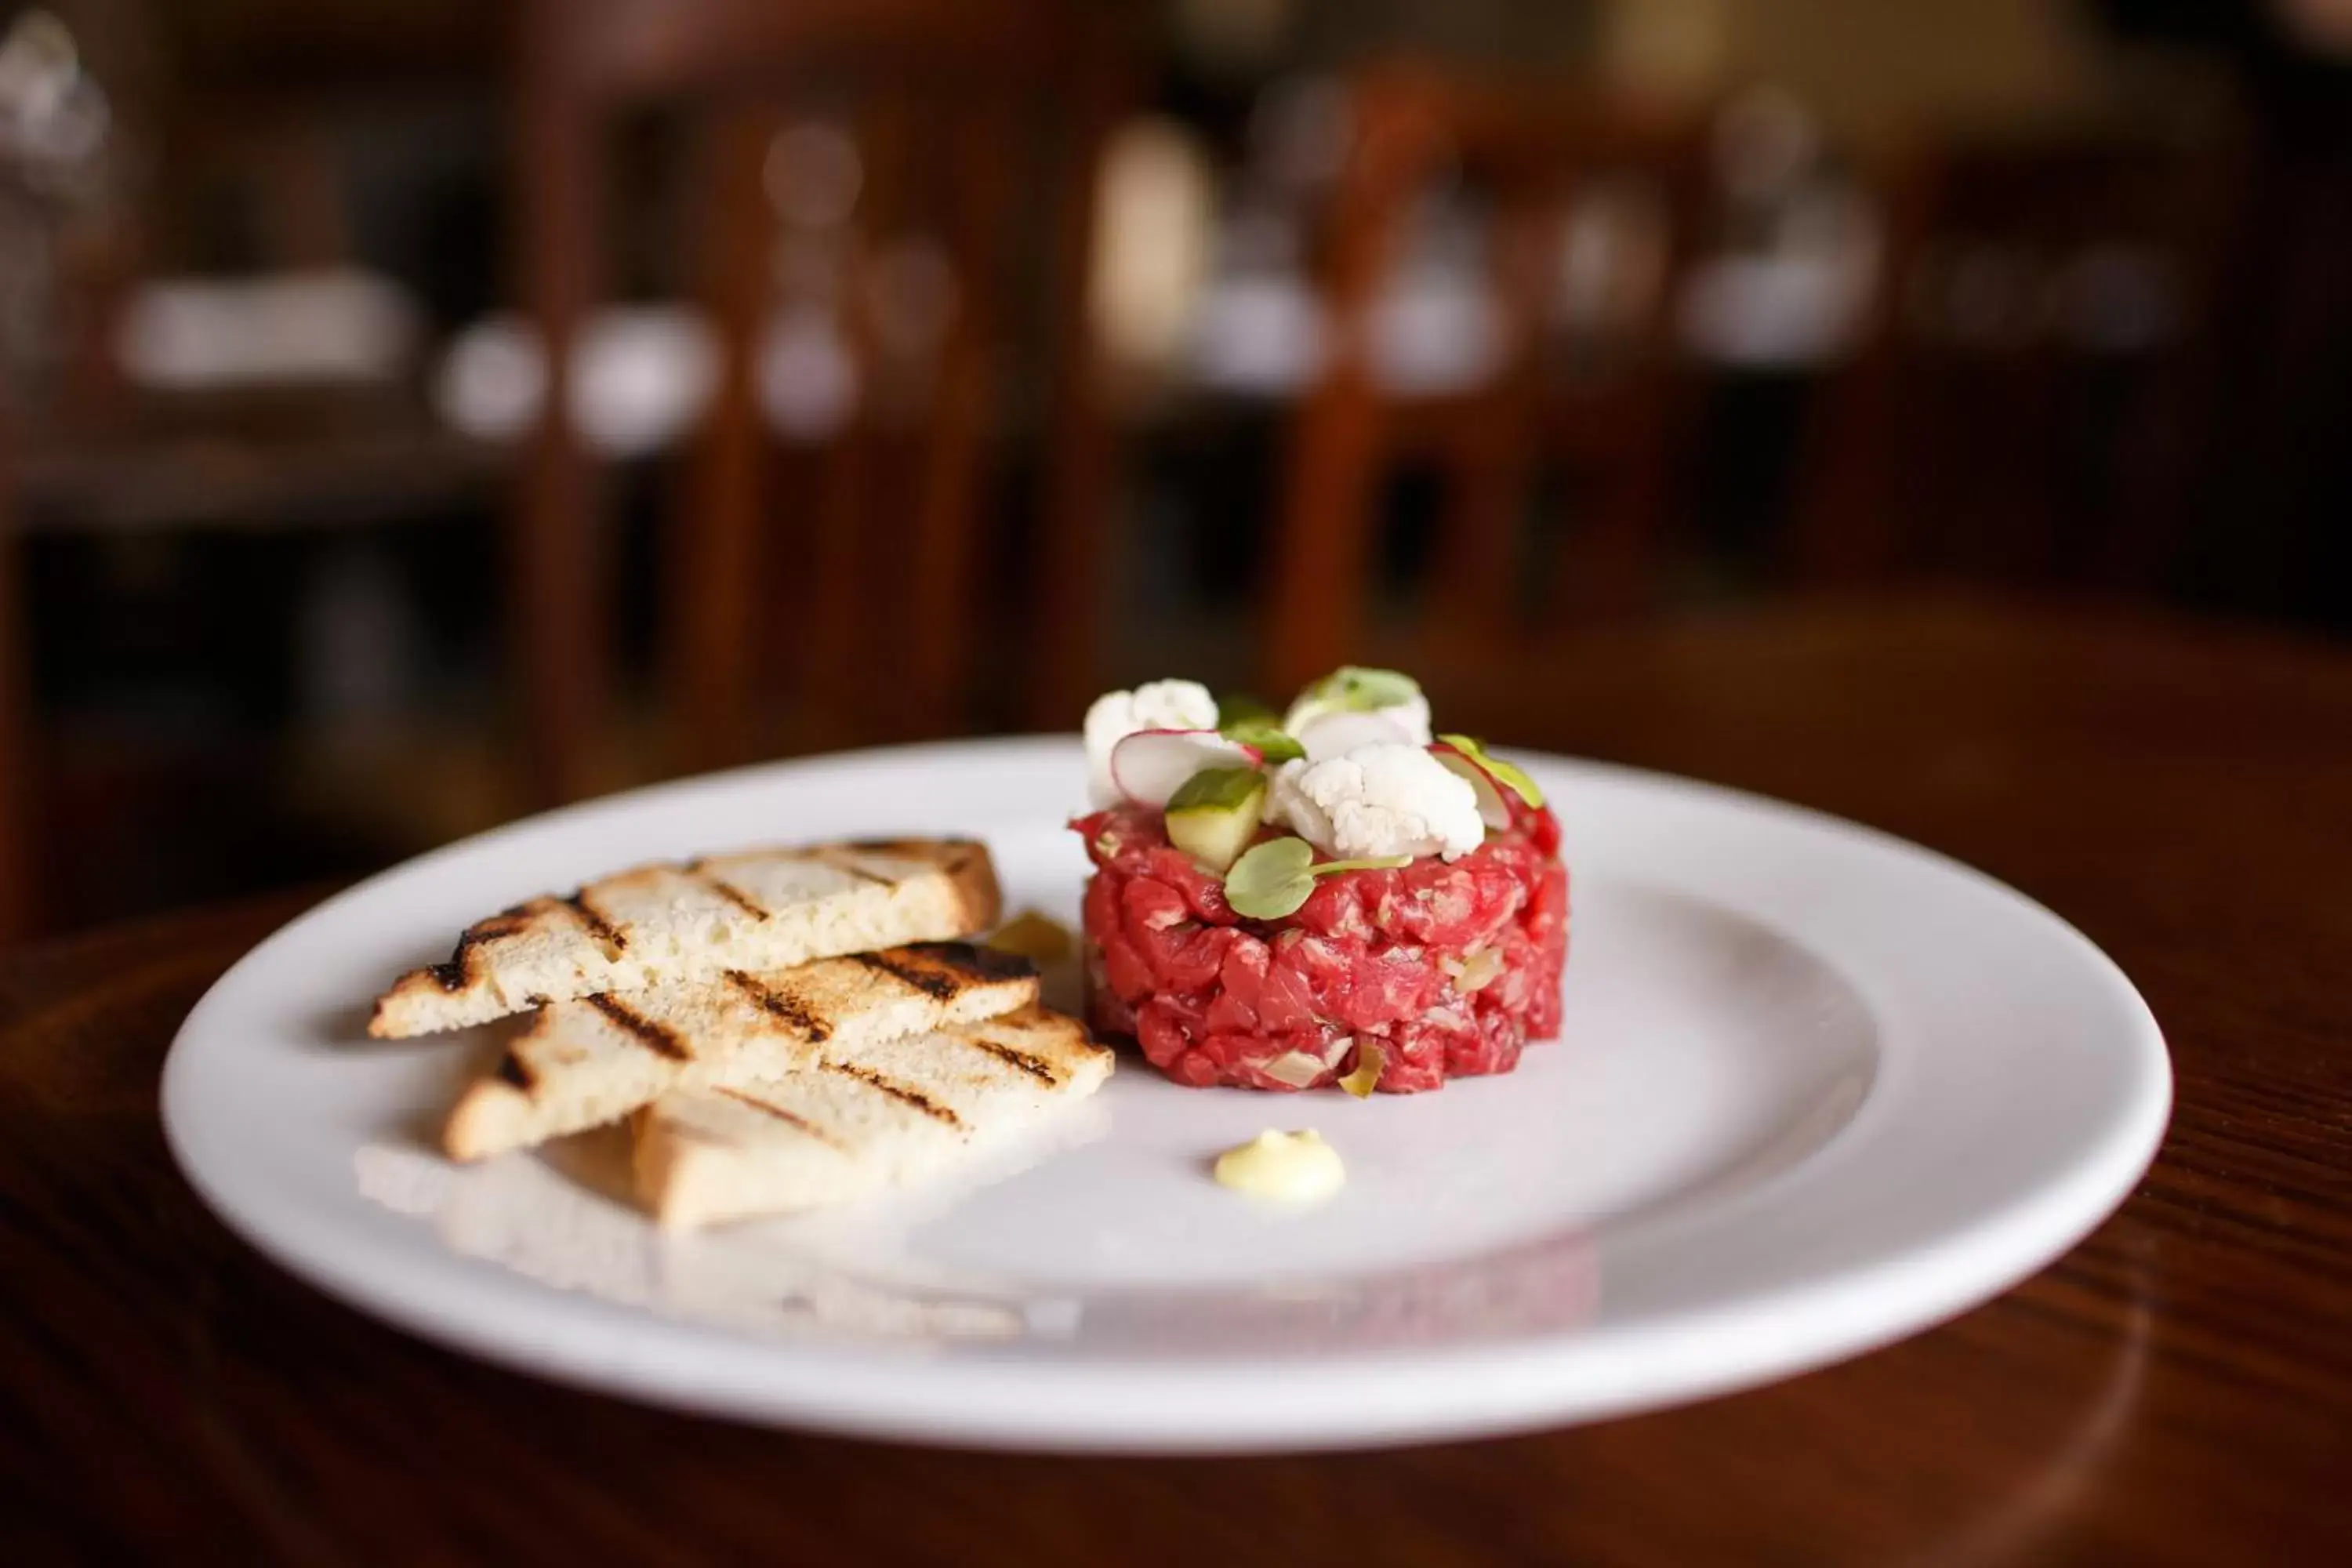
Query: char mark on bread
point(593, 919)
point(900, 1092)
point(791, 1119)
point(1016, 1058)
point(987, 964)
point(782, 1003)
point(929, 982)
point(943, 969)
point(843, 857)
point(660, 1038)
point(700, 870)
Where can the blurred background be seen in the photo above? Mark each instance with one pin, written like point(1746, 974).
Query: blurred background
point(414, 412)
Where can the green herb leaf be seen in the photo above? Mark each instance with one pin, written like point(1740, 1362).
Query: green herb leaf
point(1377, 863)
point(1273, 741)
point(1356, 689)
point(1239, 708)
point(1508, 774)
point(1271, 879)
point(1217, 789)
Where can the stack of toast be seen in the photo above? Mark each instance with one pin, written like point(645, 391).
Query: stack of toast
point(784, 1028)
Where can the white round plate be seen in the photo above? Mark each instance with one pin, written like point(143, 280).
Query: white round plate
point(1816, 1088)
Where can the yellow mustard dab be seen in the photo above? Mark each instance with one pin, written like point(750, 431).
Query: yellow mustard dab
point(1283, 1167)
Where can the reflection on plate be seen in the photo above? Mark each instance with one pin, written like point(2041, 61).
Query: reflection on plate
point(557, 1227)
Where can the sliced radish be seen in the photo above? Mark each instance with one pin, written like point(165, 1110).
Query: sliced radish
point(1335, 731)
point(1492, 809)
point(1150, 765)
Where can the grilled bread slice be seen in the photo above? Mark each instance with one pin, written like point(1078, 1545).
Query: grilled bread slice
point(879, 1116)
point(594, 1061)
point(757, 911)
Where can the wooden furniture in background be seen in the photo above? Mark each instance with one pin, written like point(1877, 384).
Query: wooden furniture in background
point(213, 113)
point(1607, 420)
point(2004, 415)
point(2177, 1389)
point(945, 96)
point(16, 893)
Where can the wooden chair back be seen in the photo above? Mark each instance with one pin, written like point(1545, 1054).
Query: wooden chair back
point(17, 891)
point(875, 615)
point(1603, 405)
point(2005, 396)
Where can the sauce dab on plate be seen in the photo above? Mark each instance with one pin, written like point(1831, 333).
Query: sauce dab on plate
point(1283, 1167)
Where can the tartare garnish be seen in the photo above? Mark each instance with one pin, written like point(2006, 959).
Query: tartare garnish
point(1354, 706)
point(1215, 814)
point(1283, 1167)
point(1270, 880)
point(1264, 736)
point(1332, 896)
point(1359, 689)
point(1155, 705)
point(1150, 765)
point(1382, 799)
point(1240, 708)
point(1510, 776)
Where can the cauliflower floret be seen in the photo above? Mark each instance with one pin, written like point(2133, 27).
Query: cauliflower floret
point(1386, 798)
point(1155, 705)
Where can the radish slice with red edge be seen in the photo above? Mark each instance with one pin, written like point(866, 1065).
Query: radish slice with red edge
point(1492, 809)
point(1335, 733)
point(1151, 765)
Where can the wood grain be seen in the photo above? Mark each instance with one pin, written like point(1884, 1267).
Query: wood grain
point(2179, 1389)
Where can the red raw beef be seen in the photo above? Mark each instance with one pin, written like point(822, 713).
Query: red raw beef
point(1371, 956)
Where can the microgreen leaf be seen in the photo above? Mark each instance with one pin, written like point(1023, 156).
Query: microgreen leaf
point(1272, 880)
point(1508, 774)
point(1356, 689)
point(1272, 741)
point(1237, 708)
point(1217, 789)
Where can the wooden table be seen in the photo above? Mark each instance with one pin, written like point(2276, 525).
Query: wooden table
point(2177, 1390)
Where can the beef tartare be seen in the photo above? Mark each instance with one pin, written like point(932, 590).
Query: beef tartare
point(1328, 899)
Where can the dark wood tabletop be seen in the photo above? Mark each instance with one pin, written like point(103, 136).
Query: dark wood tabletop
point(2177, 1389)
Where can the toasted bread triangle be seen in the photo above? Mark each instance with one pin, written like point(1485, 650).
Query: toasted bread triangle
point(878, 1116)
point(757, 911)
